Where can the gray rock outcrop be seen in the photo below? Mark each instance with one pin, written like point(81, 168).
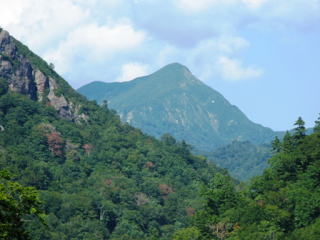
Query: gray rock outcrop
point(26, 79)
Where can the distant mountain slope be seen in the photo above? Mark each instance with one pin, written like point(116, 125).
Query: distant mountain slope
point(174, 101)
point(242, 159)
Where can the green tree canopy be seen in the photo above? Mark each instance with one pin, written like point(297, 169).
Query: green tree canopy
point(17, 203)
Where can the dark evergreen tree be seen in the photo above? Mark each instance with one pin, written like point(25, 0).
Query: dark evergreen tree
point(276, 145)
point(317, 125)
point(287, 143)
point(300, 130)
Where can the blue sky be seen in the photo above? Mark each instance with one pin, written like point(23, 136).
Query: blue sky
point(262, 55)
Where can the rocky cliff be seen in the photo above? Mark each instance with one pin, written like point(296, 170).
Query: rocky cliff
point(37, 81)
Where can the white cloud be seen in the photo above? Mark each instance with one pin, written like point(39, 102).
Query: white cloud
point(224, 44)
point(205, 54)
point(294, 13)
point(11, 12)
point(95, 43)
point(233, 70)
point(275, 13)
point(131, 71)
point(211, 58)
point(106, 3)
point(254, 4)
point(81, 36)
point(38, 23)
point(89, 40)
point(205, 59)
point(195, 6)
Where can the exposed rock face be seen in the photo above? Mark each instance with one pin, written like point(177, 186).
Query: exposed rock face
point(20, 78)
point(25, 79)
point(42, 83)
point(58, 102)
point(6, 45)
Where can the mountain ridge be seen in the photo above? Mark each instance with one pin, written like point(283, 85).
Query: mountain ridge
point(172, 100)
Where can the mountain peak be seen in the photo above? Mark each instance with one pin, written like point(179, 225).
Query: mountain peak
point(175, 67)
point(174, 101)
point(173, 73)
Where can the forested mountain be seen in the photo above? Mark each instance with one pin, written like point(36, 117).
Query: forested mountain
point(283, 203)
point(97, 178)
point(174, 101)
point(243, 160)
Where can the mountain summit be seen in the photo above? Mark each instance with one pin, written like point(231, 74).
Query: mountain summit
point(174, 73)
point(172, 100)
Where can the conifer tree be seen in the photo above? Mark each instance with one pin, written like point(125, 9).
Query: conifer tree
point(287, 142)
point(300, 130)
point(316, 128)
point(276, 145)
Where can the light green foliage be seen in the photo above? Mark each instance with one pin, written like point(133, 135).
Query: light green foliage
point(191, 233)
point(17, 205)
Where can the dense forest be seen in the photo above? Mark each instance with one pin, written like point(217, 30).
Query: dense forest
point(282, 203)
point(102, 179)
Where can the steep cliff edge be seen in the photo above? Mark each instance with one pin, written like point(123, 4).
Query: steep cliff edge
point(31, 76)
